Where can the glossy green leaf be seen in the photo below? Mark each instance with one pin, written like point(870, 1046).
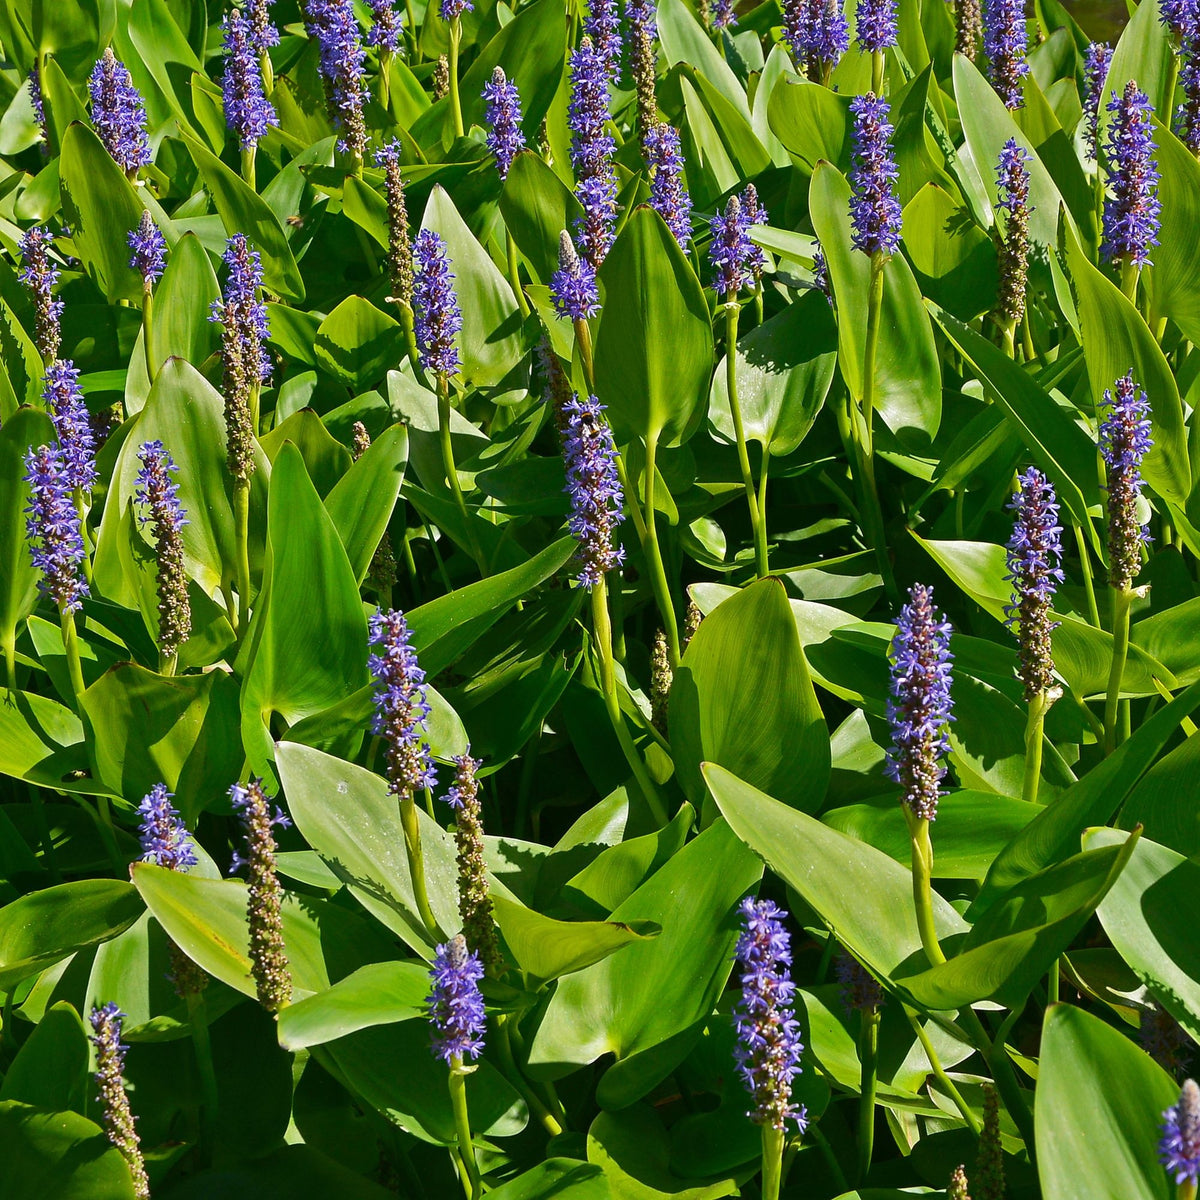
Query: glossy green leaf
point(326, 460)
point(537, 207)
point(557, 1179)
point(357, 343)
point(51, 1068)
point(1171, 283)
point(812, 121)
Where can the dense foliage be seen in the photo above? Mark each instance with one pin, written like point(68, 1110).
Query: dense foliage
point(598, 602)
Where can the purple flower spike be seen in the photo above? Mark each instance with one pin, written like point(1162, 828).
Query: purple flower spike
point(603, 26)
point(401, 709)
point(263, 34)
point(455, 1004)
point(830, 35)
point(1132, 206)
point(919, 709)
point(164, 837)
point(505, 139)
point(40, 275)
point(64, 403)
point(435, 306)
point(118, 113)
point(769, 1046)
point(573, 286)
point(1004, 43)
point(729, 252)
point(1124, 441)
point(875, 212)
point(452, 10)
point(642, 14)
point(594, 489)
point(335, 27)
point(1034, 555)
point(1187, 115)
point(52, 528)
point(36, 101)
point(149, 250)
point(119, 1122)
point(1095, 72)
point(386, 26)
point(591, 152)
point(723, 16)
point(1179, 16)
point(668, 195)
point(159, 493)
point(876, 21)
point(248, 112)
point(1179, 1147)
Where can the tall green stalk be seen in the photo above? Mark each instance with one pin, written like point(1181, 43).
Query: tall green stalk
point(865, 426)
point(148, 327)
point(653, 553)
point(202, 1046)
point(922, 873)
point(241, 535)
point(472, 1184)
point(1035, 722)
point(868, 1057)
point(448, 465)
point(1122, 598)
point(416, 862)
point(735, 409)
point(455, 101)
point(772, 1162)
point(74, 666)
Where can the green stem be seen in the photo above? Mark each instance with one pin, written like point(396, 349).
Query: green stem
point(385, 80)
point(409, 331)
point(10, 662)
point(1122, 598)
point(108, 832)
point(268, 73)
point(85, 534)
point(455, 103)
point(248, 156)
point(1004, 1077)
point(74, 665)
point(1085, 563)
point(939, 1073)
point(1052, 983)
point(650, 547)
point(416, 862)
point(1035, 723)
point(735, 409)
point(872, 511)
point(922, 873)
point(1130, 273)
point(583, 340)
point(1185, 1190)
point(168, 664)
point(602, 628)
point(877, 65)
point(447, 444)
point(198, 1019)
point(772, 1162)
point(462, 1127)
point(148, 327)
point(868, 1056)
point(514, 274)
point(761, 544)
point(508, 1064)
point(1008, 327)
point(241, 534)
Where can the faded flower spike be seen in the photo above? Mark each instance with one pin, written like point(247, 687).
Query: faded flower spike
point(1004, 43)
point(401, 709)
point(118, 113)
point(335, 27)
point(874, 210)
point(52, 528)
point(919, 708)
point(1012, 184)
point(40, 275)
point(591, 152)
point(157, 492)
point(729, 252)
point(958, 1185)
point(668, 195)
point(769, 1047)
point(603, 26)
point(1124, 441)
point(505, 139)
point(474, 900)
point(65, 404)
point(455, 1003)
point(1165, 1040)
point(968, 27)
point(400, 263)
point(268, 955)
point(1034, 555)
point(1132, 206)
point(593, 488)
point(860, 990)
point(163, 835)
point(119, 1122)
point(386, 26)
point(435, 306)
point(248, 112)
point(149, 249)
point(876, 22)
point(1179, 1146)
point(573, 286)
point(989, 1162)
point(642, 28)
point(1095, 71)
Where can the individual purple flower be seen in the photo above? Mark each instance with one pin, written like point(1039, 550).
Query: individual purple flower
point(876, 25)
point(573, 286)
point(452, 10)
point(668, 195)
point(595, 492)
point(77, 444)
point(401, 708)
point(455, 1003)
point(1132, 206)
point(875, 213)
point(149, 249)
point(1012, 186)
point(820, 274)
point(860, 990)
point(342, 59)
point(505, 139)
point(118, 113)
point(119, 1122)
point(1033, 563)
point(591, 152)
point(158, 495)
point(1004, 43)
point(39, 274)
point(435, 306)
point(603, 26)
point(263, 33)
point(1124, 441)
point(474, 896)
point(769, 1046)
point(723, 14)
point(264, 895)
point(163, 835)
point(386, 26)
point(52, 528)
point(1095, 72)
point(968, 22)
point(248, 112)
point(919, 708)
point(730, 250)
point(1179, 1146)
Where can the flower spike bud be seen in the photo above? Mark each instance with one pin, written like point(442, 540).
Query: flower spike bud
point(118, 113)
point(1124, 441)
point(643, 61)
point(453, 9)
point(435, 306)
point(1179, 1146)
point(730, 250)
point(875, 214)
point(505, 139)
point(65, 404)
point(573, 286)
point(594, 490)
point(592, 148)
point(38, 104)
point(157, 492)
point(456, 1010)
point(1187, 115)
point(40, 275)
point(401, 708)
point(968, 27)
point(119, 1122)
point(248, 112)
point(474, 899)
point(830, 36)
point(1004, 43)
point(958, 1185)
point(52, 529)
point(1012, 179)
point(386, 26)
point(661, 678)
point(263, 34)
point(1095, 71)
point(1131, 208)
point(149, 249)
point(723, 15)
point(441, 78)
point(603, 26)
point(668, 194)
